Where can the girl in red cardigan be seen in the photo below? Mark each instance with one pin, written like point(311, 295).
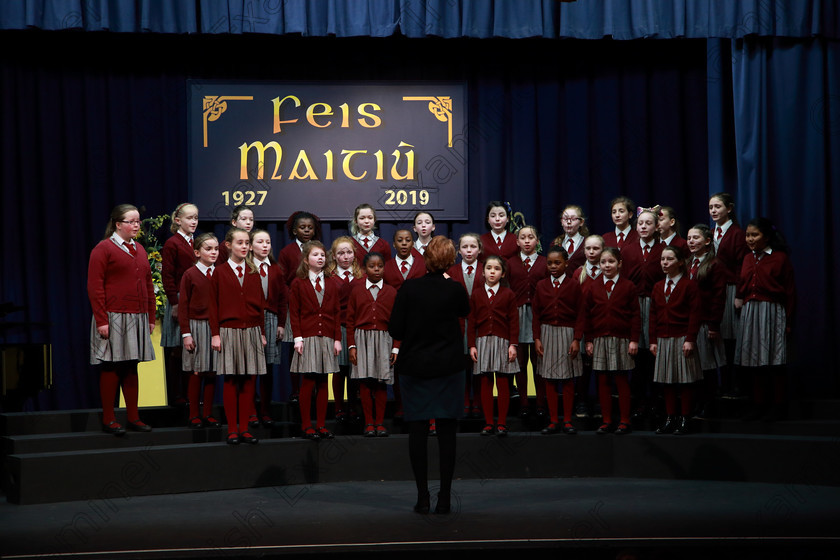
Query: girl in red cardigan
point(120, 289)
point(315, 312)
point(198, 356)
point(344, 267)
point(237, 323)
point(612, 326)
point(362, 229)
point(668, 227)
point(574, 235)
point(301, 227)
point(372, 350)
point(498, 240)
point(768, 292)
point(621, 211)
point(524, 271)
point(558, 329)
point(276, 306)
point(593, 245)
point(675, 310)
point(469, 274)
point(241, 217)
point(177, 255)
point(492, 333)
point(706, 271)
point(731, 250)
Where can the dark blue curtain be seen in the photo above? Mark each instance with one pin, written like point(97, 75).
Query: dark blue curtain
point(580, 19)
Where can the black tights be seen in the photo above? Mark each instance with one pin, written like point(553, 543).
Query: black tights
point(418, 439)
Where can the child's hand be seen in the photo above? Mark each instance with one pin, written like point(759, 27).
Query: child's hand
point(474, 354)
point(739, 303)
point(574, 349)
point(539, 347)
point(189, 343)
point(653, 349)
point(337, 347)
point(103, 331)
point(151, 329)
point(590, 349)
point(688, 348)
point(394, 358)
point(216, 343)
point(280, 331)
point(633, 349)
point(299, 347)
point(713, 335)
point(264, 341)
point(175, 311)
point(353, 357)
point(511, 353)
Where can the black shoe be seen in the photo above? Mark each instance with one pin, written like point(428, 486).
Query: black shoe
point(443, 506)
point(422, 506)
point(581, 410)
point(310, 433)
point(623, 429)
point(381, 431)
point(139, 426)
point(550, 429)
point(603, 429)
point(370, 431)
point(668, 427)
point(233, 439)
point(195, 423)
point(246, 437)
point(569, 429)
point(488, 430)
point(267, 421)
point(501, 430)
point(682, 426)
point(114, 428)
point(211, 422)
point(324, 433)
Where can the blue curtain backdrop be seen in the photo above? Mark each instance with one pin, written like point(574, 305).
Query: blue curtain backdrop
point(751, 106)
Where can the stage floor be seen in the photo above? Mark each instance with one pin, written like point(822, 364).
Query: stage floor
point(571, 518)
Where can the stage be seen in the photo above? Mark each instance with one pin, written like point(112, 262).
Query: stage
point(768, 489)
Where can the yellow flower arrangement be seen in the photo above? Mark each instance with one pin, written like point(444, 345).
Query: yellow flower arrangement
point(148, 238)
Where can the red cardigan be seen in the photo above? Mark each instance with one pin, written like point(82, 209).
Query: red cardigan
point(177, 256)
point(379, 246)
point(278, 292)
point(522, 282)
point(345, 288)
point(393, 276)
point(499, 319)
point(681, 244)
point(233, 306)
point(289, 259)
point(196, 292)
point(307, 317)
point(769, 279)
point(617, 315)
point(643, 273)
point(678, 316)
point(560, 307)
point(457, 273)
point(119, 283)
point(488, 246)
point(731, 252)
point(365, 313)
point(611, 239)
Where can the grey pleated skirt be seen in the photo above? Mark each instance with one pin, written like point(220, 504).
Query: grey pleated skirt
point(318, 356)
point(672, 366)
point(762, 339)
point(729, 322)
point(287, 331)
point(610, 354)
point(170, 330)
point(556, 362)
point(711, 352)
point(203, 358)
point(128, 339)
point(242, 352)
point(344, 355)
point(526, 317)
point(644, 314)
point(272, 345)
point(493, 356)
point(373, 356)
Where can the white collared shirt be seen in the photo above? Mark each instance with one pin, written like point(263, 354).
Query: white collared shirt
point(495, 289)
point(313, 276)
point(674, 280)
point(577, 239)
point(464, 266)
point(122, 243)
point(204, 269)
point(670, 238)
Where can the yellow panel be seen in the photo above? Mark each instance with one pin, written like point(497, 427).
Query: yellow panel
point(152, 377)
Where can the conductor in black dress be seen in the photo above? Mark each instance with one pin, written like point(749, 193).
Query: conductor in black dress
point(430, 365)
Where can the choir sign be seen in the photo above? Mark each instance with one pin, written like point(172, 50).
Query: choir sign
point(327, 147)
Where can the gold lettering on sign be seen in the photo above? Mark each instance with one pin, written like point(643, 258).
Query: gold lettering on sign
point(215, 105)
point(441, 108)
